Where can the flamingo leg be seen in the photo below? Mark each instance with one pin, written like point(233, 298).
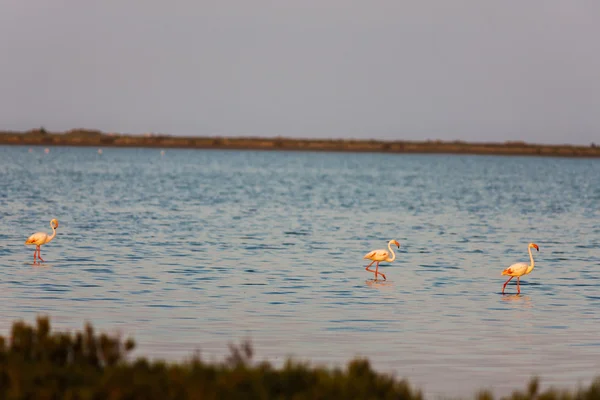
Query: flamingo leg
point(506, 283)
point(35, 254)
point(518, 285)
point(377, 272)
point(370, 270)
point(40, 254)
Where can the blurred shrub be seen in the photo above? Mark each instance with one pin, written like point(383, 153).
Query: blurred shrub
point(36, 363)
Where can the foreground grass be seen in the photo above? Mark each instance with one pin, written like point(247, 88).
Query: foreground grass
point(86, 137)
point(36, 363)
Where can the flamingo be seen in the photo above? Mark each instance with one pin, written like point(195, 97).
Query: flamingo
point(381, 255)
point(41, 238)
point(520, 269)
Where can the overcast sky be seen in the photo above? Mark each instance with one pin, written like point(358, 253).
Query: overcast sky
point(477, 70)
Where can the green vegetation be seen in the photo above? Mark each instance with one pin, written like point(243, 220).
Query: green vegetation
point(86, 137)
point(36, 363)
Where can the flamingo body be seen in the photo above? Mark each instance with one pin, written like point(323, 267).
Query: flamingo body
point(381, 255)
point(520, 269)
point(377, 255)
point(40, 238)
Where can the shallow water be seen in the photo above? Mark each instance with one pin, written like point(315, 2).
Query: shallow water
point(196, 249)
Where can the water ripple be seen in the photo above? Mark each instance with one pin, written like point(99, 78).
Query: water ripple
point(206, 247)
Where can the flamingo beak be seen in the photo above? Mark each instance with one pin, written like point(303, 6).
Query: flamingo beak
point(397, 244)
point(536, 247)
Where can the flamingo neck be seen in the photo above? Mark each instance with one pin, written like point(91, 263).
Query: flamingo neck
point(391, 251)
point(51, 236)
point(531, 258)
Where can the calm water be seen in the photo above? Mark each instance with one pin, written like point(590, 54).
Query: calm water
point(195, 249)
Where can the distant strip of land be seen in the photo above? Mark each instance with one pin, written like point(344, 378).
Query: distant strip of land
point(85, 137)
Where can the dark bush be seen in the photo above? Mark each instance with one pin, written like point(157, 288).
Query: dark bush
point(36, 363)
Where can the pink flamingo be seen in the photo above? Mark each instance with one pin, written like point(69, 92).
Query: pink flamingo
point(381, 255)
point(41, 238)
point(520, 269)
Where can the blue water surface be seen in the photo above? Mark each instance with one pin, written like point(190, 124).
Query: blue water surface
point(194, 249)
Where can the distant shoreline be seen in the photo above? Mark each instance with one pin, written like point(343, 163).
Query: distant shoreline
point(94, 138)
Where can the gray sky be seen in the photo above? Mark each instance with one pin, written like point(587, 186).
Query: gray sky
point(477, 70)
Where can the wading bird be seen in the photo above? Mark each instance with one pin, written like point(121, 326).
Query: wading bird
point(381, 255)
point(41, 238)
point(520, 269)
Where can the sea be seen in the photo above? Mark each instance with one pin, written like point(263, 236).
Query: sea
point(190, 251)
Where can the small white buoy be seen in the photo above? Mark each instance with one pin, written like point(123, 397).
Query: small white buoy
point(99, 151)
point(46, 150)
point(162, 152)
